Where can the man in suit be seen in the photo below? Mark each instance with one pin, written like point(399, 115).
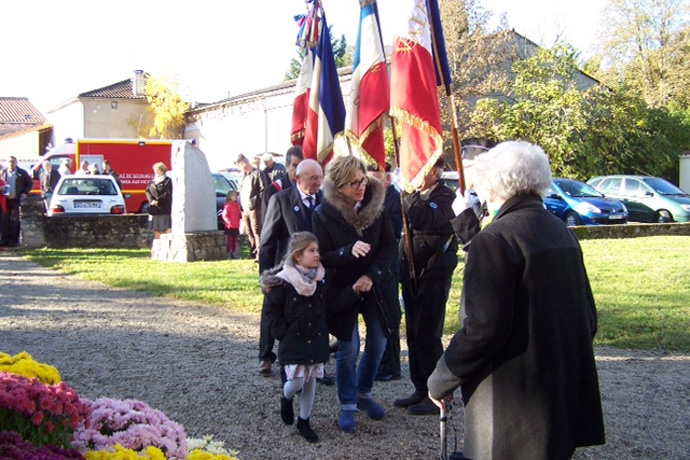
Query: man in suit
point(293, 157)
point(289, 211)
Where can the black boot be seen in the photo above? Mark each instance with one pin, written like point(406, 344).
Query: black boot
point(286, 411)
point(306, 431)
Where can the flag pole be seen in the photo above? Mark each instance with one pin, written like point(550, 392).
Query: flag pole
point(451, 102)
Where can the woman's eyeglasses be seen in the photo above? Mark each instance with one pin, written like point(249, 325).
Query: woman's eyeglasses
point(358, 183)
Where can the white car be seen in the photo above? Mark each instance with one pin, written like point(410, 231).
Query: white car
point(88, 194)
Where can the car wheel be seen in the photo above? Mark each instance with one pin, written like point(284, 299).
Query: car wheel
point(572, 219)
point(662, 217)
point(144, 208)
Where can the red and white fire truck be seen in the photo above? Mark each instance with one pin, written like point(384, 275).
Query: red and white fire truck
point(132, 159)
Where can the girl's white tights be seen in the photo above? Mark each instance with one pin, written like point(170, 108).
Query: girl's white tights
point(308, 394)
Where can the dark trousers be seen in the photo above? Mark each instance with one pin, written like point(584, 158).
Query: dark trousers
point(424, 314)
point(10, 222)
point(266, 339)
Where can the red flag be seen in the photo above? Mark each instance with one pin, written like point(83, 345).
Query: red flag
point(301, 104)
point(414, 97)
point(370, 91)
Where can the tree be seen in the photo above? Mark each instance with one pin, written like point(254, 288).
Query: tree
point(167, 107)
point(342, 53)
point(647, 44)
point(479, 59)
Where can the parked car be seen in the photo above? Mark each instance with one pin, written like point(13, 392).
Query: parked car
point(648, 199)
point(222, 185)
point(577, 203)
point(78, 195)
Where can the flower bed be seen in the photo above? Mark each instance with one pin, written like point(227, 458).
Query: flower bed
point(43, 418)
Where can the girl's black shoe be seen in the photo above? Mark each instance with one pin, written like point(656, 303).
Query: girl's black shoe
point(306, 431)
point(286, 411)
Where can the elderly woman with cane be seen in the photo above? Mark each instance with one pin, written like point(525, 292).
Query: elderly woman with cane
point(357, 248)
point(523, 356)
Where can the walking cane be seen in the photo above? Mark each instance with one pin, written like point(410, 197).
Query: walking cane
point(443, 419)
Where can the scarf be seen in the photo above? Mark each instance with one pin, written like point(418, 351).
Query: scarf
point(304, 281)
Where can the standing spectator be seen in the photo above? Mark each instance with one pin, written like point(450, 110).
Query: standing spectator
point(425, 291)
point(231, 217)
point(295, 300)
point(289, 211)
point(292, 159)
point(65, 167)
point(93, 169)
point(159, 194)
point(523, 356)
point(107, 169)
point(84, 170)
point(251, 190)
point(389, 369)
point(19, 183)
point(3, 205)
point(357, 247)
point(273, 170)
point(48, 178)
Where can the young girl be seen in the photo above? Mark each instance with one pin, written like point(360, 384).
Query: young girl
point(295, 304)
point(231, 217)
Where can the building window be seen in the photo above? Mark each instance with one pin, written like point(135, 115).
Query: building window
point(113, 105)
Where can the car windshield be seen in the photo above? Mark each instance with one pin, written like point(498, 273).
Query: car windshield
point(87, 186)
point(222, 184)
point(577, 189)
point(663, 187)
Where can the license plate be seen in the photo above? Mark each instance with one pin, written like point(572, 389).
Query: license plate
point(616, 216)
point(87, 204)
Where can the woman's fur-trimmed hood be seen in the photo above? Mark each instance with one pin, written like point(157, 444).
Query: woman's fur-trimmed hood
point(372, 204)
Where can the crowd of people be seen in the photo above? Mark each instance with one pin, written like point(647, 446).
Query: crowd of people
point(342, 245)
point(338, 247)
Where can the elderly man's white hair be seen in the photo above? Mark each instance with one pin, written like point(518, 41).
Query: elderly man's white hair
point(513, 168)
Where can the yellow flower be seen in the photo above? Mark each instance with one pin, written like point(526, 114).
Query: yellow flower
point(24, 364)
point(150, 453)
point(198, 454)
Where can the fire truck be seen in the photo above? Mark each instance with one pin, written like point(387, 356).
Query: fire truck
point(131, 159)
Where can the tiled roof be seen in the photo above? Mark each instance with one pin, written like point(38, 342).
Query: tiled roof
point(120, 90)
point(19, 111)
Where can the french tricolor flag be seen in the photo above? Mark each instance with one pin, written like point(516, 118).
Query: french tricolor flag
point(369, 98)
point(326, 109)
point(414, 93)
point(301, 104)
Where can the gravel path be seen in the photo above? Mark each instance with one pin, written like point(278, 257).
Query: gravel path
point(198, 365)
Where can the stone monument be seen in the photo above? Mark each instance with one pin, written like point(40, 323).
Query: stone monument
point(195, 234)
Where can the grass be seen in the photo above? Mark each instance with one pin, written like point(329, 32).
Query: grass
point(640, 285)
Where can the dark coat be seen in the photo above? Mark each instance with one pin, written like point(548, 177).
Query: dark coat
point(298, 321)
point(434, 245)
point(161, 192)
point(524, 354)
point(338, 227)
point(285, 215)
point(23, 183)
point(257, 182)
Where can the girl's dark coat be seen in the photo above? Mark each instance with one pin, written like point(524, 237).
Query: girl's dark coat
point(338, 227)
point(298, 321)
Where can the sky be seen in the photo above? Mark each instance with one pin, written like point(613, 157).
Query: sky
point(55, 50)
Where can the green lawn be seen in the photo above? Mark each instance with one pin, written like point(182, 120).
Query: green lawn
point(640, 285)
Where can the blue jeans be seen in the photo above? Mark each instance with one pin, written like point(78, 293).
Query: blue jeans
point(353, 382)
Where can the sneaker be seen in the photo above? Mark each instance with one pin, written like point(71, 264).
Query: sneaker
point(414, 398)
point(306, 431)
point(286, 411)
point(346, 421)
point(426, 407)
point(266, 368)
point(371, 407)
